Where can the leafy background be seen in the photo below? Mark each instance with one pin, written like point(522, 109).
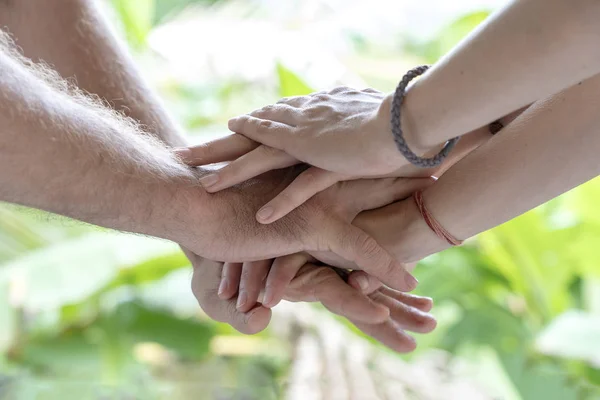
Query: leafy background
point(85, 311)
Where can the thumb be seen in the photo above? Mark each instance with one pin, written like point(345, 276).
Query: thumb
point(356, 245)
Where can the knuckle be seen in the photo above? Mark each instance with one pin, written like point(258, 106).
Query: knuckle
point(268, 110)
point(322, 97)
point(287, 100)
point(340, 89)
point(368, 247)
point(264, 125)
point(310, 176)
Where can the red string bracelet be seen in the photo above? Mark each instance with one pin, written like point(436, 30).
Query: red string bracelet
point(433, 224)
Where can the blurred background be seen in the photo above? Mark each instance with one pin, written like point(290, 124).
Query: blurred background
point(91, 314)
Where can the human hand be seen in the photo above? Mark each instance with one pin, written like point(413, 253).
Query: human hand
point(345, 134)
point(321, 225)
point(322, 284)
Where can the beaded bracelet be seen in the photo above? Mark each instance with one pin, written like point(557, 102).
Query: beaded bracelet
point(397, 100)
point(433, 224)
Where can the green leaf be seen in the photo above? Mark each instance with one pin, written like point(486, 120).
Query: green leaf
point(486, 323)
point(137, 17)
point(541, 380)
point(70, 271)
point(189, 338)
point(8, 322)
point(291, 84)
point(572, 335)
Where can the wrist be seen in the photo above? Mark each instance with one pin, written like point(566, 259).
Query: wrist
point(181, 210)
point(400, 228)
point(411, 132)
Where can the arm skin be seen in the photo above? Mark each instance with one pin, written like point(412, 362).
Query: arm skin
point(551, 148)
point(75, 40)
point(72, 37)
point(527, 51)
point(108, 82)
point(74, 157)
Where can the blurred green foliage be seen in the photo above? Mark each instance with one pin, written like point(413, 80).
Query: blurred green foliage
point(520, 302)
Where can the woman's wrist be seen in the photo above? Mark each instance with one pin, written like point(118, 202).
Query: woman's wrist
point(400, 228)
point(414, 140)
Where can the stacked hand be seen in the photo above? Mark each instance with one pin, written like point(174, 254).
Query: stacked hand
point(343, 134)
point(243, 293)
point(367, 309)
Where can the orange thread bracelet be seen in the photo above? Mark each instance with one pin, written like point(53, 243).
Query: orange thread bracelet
point(432, 223)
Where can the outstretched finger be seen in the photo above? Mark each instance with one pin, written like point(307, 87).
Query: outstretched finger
point(390, 334)
point(342, 299)
point(230, 280)
point(283, 113)
point(272, 133)
point(405, 315)
point(252, 281)
point(356, 245)
point(220, 150)
point(305, 186)
point(282, 272)
point(422, 303)
point(254, 163)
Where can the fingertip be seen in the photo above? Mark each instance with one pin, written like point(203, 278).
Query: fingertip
point(408, 346)
point(428, 324)
point(256, 320)
point(224, 292)
point(425, 304)
point(410, 281)
point(265, 214)
point(382, 314)
point(184, 154)
point(364, 282)
point(232, 123)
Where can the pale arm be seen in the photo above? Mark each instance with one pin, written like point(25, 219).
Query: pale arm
point(527, 51)
point(551, 148)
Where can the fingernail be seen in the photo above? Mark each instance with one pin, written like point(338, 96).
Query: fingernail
point(183, 153)
point(264, 213)
point(249, 315)
point(411, 282)
point(209, 180)
point(222, 288)
point(267, 299)
point(363, 282)
point(242, 298)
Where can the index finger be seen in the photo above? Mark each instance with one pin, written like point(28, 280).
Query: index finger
point(220, 150)
point(322, 284)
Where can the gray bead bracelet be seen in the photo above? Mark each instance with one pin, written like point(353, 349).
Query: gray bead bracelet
point(397, 100)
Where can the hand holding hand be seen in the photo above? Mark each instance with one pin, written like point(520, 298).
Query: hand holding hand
point(322, 284)
point(321, 225)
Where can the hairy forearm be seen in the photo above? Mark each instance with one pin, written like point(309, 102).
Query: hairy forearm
point(526, 52)
point(74, 38)
point(62, 153)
